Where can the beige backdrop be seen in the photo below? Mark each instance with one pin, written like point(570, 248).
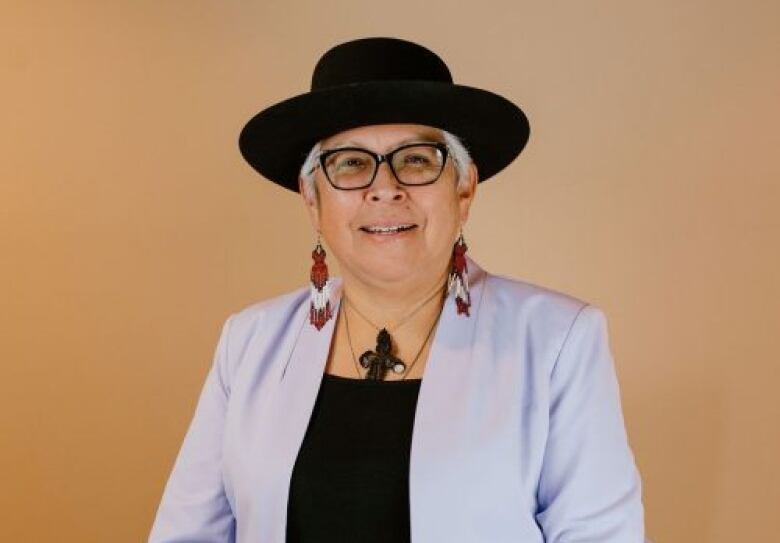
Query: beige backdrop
point(130, 228)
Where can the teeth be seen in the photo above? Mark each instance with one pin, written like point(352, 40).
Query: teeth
point(387, 229)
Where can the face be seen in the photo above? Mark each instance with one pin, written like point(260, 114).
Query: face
point(429, 216)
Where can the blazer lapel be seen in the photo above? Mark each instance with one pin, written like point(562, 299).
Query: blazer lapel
point(445, 380)
point(300, 379)
point(293, 403)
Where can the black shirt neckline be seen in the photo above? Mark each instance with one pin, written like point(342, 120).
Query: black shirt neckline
point(332, 378)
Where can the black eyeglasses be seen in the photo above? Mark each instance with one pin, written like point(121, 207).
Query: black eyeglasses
point(413, 164)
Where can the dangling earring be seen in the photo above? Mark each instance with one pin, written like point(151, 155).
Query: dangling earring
point(319, 310)
point(459, 276)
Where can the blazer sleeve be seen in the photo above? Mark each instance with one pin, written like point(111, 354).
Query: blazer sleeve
point(194, 506)
point(589, 488)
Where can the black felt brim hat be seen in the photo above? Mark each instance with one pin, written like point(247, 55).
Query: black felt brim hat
point(375, 81)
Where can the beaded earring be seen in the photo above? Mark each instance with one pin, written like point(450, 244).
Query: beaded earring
point(319, 310)
point(458, 282)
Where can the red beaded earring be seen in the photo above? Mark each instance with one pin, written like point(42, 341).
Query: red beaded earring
point(459, 276)
point(319, 310)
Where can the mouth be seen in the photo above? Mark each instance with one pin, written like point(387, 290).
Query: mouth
point(388, 230)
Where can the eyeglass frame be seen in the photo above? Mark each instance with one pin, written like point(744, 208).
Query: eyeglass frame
point(379, 158)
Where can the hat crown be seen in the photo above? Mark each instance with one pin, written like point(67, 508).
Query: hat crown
point(378, 59)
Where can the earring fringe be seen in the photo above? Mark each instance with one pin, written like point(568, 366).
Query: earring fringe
point(319, 309)
point(458, 282)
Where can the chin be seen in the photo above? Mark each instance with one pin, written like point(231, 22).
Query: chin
point(390, 269)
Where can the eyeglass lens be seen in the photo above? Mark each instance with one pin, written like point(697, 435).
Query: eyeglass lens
point(413, 165)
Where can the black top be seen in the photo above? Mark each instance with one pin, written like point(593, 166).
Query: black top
point(350, 481)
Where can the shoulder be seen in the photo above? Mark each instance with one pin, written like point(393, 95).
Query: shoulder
point(274, 308)
point(545, 322)
point(541, 318)
point(529, 300)
point(263, 320)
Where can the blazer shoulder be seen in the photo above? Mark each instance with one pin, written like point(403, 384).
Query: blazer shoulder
point(530, 299)
point(540, 316)
point(270, 308)
point(267, 318)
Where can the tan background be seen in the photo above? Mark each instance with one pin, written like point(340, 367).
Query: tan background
point(130, 228)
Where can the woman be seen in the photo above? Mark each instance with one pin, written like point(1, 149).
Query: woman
point(418, 397)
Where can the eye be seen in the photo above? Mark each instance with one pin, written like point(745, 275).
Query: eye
point(417, 160)
point(351, 162)
point(421, 157)
point(347, 161)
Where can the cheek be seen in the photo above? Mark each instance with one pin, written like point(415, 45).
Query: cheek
point(336, 218)
point(444, 222)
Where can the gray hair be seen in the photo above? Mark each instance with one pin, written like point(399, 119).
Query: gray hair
point(460, 156)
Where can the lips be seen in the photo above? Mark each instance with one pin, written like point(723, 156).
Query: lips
point(388, 229)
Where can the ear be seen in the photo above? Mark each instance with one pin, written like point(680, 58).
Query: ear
point(466, 191)
point(310, 200)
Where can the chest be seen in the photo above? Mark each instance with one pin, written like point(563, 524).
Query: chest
point(354, 459)
point(474, 456)
point(346, 351)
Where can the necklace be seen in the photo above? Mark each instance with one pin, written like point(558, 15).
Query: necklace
point(382, 359)
point(402, 320)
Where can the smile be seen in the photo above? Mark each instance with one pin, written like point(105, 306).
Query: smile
point(385, 230)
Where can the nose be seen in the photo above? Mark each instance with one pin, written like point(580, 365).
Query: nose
point(385, 186)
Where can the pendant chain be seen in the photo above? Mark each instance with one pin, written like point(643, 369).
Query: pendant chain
point(349, 340)
point(398, 325)
point(400, 322)
point(416, 357)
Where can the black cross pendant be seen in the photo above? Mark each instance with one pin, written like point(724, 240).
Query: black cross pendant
point(381, 360)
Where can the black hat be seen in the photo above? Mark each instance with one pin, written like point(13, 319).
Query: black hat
point(382, 81)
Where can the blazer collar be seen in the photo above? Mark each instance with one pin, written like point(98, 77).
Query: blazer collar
point(446, 371)
point(446, 367)
point(309, 357)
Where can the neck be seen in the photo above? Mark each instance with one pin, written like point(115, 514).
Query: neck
point(386, 304)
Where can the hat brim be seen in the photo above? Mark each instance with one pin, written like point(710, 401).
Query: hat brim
point(276, 141)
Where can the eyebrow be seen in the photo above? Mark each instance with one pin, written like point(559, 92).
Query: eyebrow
point(416, 139)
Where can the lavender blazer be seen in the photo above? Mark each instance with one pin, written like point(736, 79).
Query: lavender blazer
point(518, 434)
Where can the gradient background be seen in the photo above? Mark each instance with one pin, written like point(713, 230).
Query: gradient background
point(130, 228)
